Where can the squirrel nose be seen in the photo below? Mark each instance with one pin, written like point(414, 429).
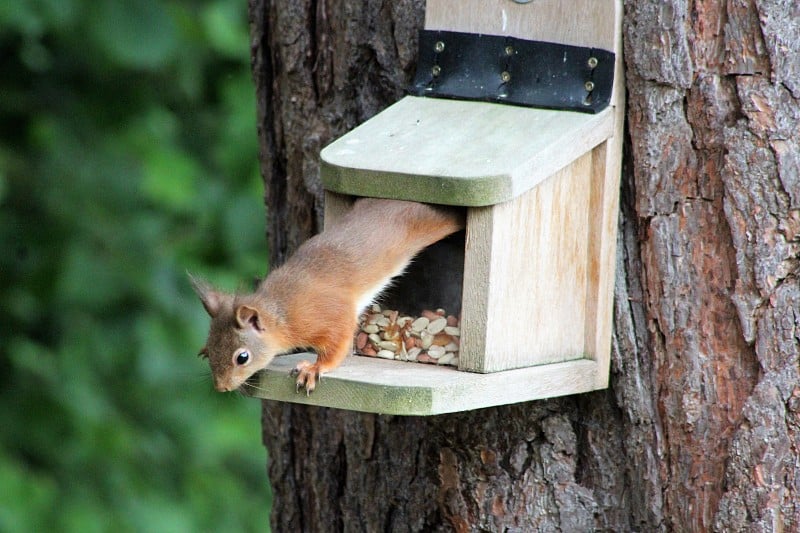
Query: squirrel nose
point(220, 387)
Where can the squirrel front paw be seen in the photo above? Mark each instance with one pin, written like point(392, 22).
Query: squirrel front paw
point(307, 374)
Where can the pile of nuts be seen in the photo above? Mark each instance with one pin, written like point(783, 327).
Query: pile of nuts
point(432, 337)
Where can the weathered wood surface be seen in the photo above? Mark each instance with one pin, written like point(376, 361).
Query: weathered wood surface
point(526, 269)
point(700, 428)
point(588, 23)
point(374, 385)
point(457, 152)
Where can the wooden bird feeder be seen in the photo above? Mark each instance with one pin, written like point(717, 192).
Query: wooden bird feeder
point(516, 114)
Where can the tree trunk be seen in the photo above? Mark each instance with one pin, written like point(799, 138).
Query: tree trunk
point(700, 429)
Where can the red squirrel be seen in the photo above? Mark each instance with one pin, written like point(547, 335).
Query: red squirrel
point(314, 300)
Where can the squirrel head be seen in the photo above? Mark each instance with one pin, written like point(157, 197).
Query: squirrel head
point(241, 339)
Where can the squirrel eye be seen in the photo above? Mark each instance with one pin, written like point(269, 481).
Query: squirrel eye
point(242, 358)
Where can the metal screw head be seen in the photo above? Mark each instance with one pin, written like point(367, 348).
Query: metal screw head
point(509, 50)
point(592, 62)
point(439, 46)
point(589, 86)
point(436, 70)
point(505, 76)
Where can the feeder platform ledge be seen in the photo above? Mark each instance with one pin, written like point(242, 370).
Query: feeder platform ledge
point(373, 385)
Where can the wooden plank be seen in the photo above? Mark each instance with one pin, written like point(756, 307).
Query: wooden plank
point(602, 238)
point(458, 153)
point(575, 22)
point(607, 168)
point(526, 301)
point(398, 388)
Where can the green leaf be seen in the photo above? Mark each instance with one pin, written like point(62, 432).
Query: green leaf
point(135, 33)
point(170, 179)
point(226, 28)
point(27, 497)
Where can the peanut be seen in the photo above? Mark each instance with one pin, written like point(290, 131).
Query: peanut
point(389, 345)
point(420, 324)
point(446, 359)
point(361, 340)
point(369, 350)
point(437, 325)
point(436, 351)
point(386, 354)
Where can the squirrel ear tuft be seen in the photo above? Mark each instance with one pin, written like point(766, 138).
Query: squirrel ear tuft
point(247, 316)
point(211, 298)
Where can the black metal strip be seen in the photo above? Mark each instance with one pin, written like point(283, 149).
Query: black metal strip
point(495, 68)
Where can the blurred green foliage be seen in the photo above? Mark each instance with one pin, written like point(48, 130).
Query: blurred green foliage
point(127, 157)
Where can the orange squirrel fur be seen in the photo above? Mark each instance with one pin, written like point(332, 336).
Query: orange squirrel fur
point(314, 299)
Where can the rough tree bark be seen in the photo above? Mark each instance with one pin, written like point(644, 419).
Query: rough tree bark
point(700, 429)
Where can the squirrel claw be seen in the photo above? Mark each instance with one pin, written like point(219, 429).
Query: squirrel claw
point(307, 374)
